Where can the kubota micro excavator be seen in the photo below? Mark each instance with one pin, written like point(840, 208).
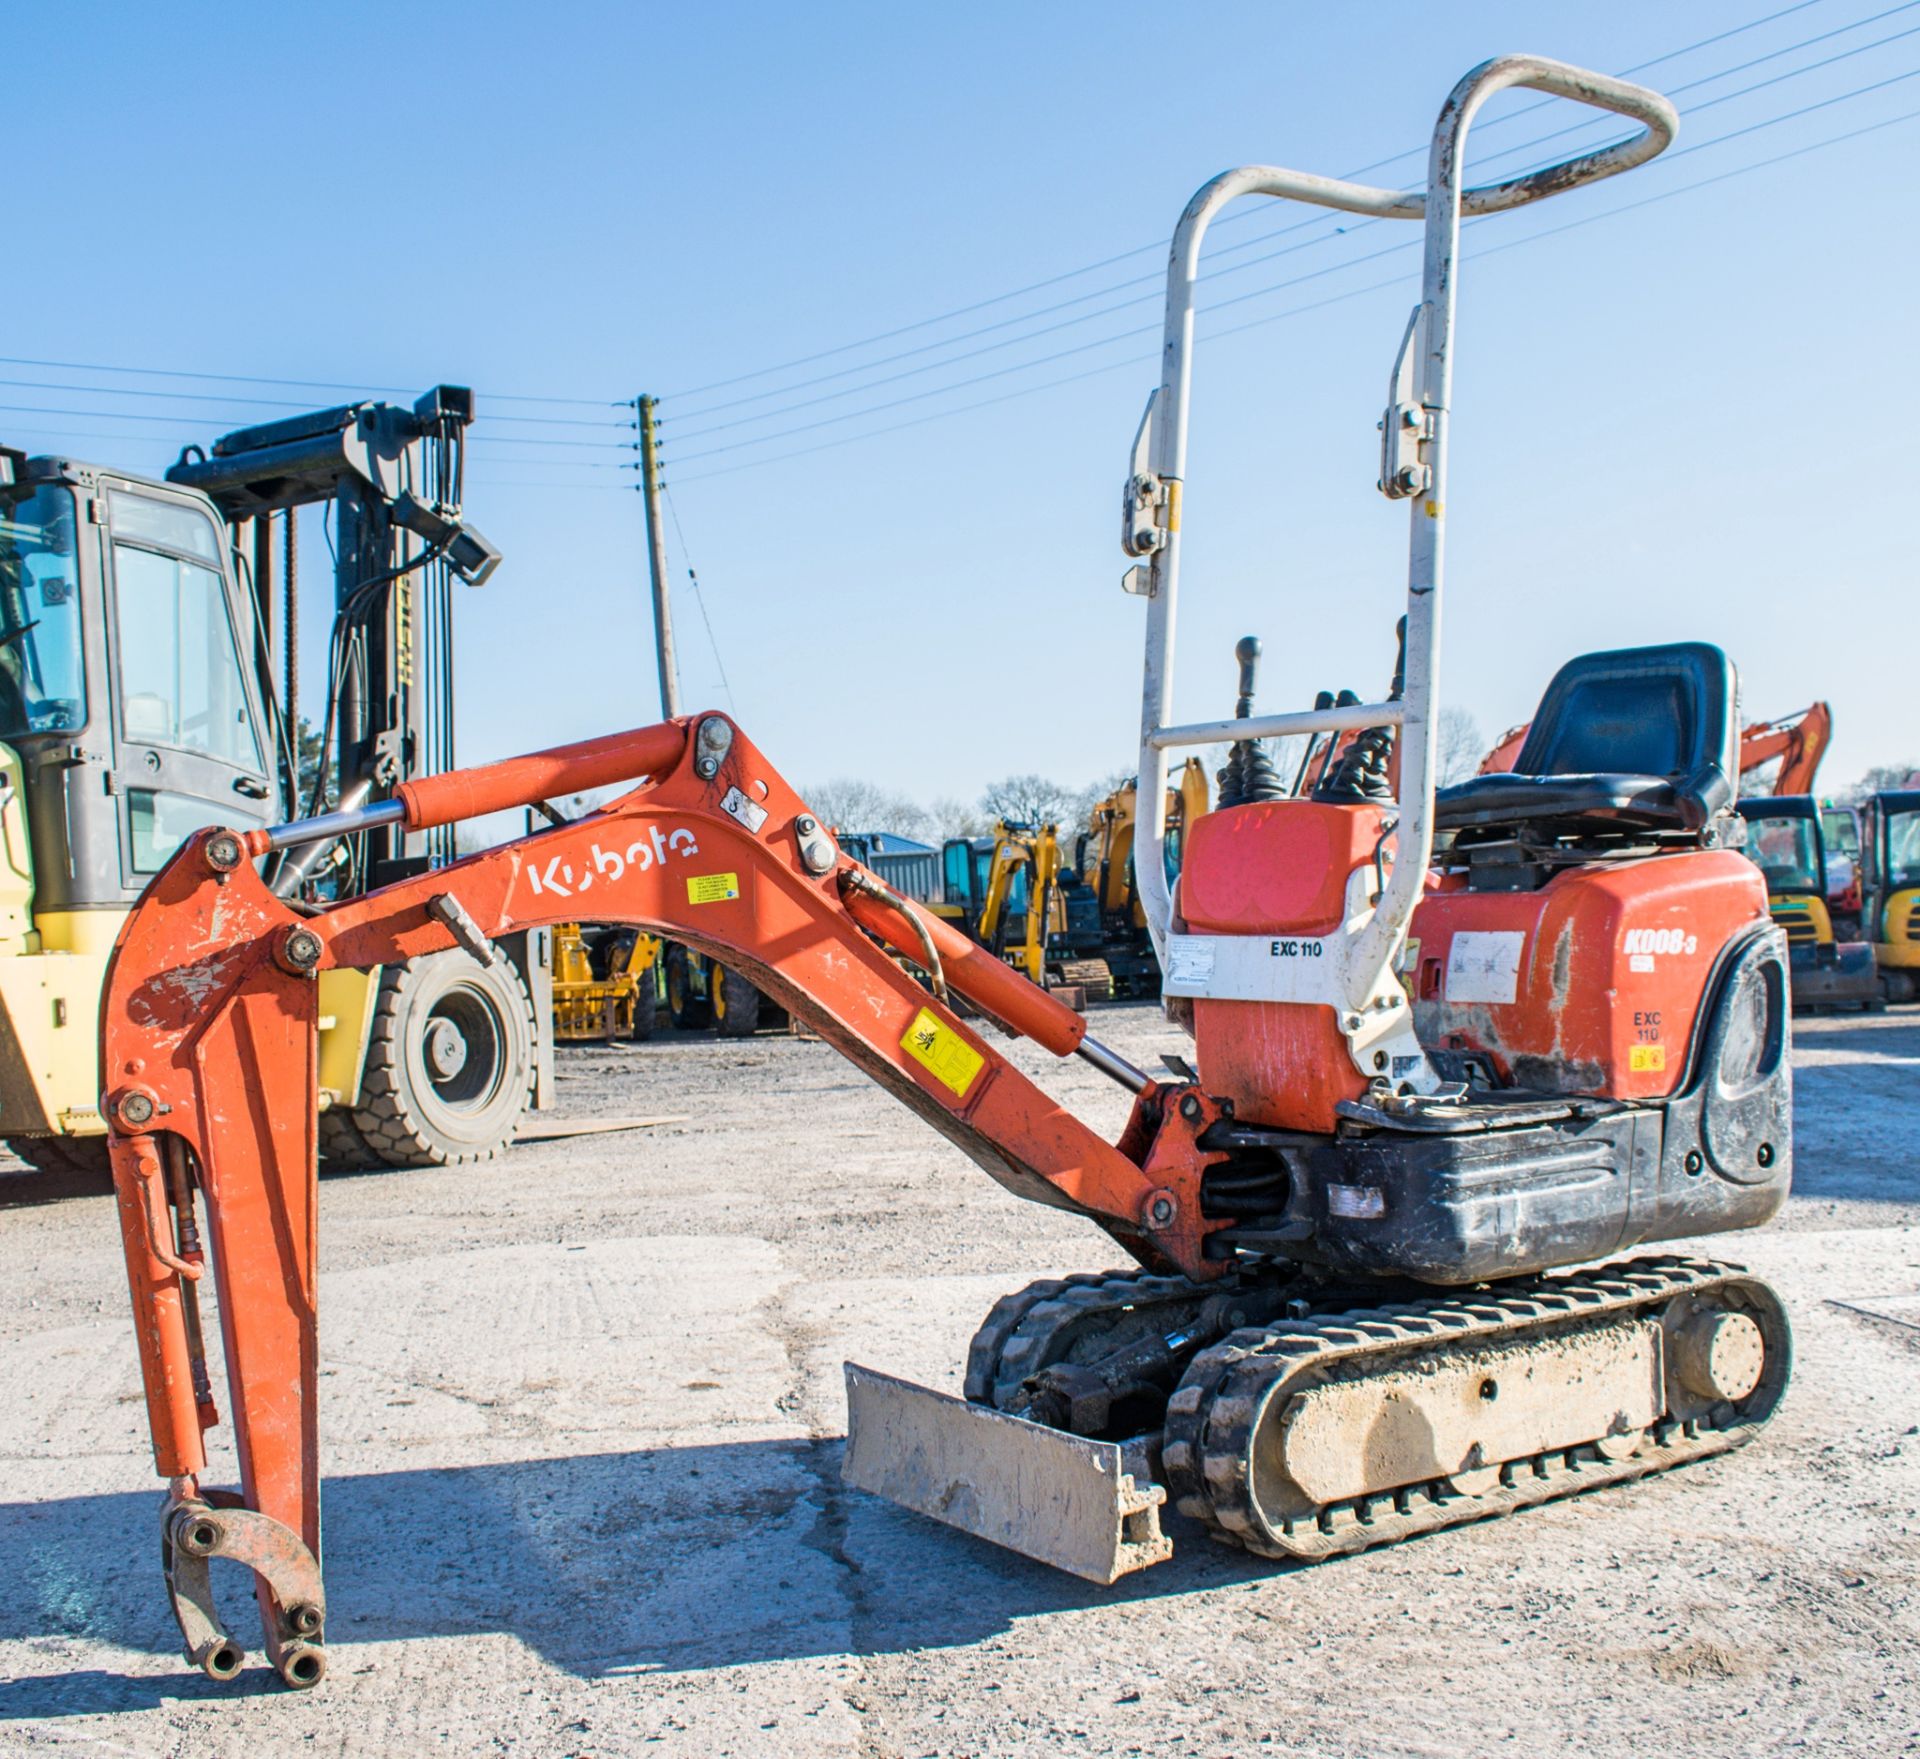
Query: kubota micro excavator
point(1420, 1096)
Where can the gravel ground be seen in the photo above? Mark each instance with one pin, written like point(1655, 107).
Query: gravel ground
point(581, 1413)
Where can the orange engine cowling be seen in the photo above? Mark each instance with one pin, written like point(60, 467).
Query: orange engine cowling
point(1589, 985)
point(1278, 867)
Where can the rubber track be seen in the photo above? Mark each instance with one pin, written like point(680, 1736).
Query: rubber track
point(1032, 1344)
point(1211, 1417)
point(1004, 1317)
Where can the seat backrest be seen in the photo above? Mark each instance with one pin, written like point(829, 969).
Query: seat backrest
point(1668, 712)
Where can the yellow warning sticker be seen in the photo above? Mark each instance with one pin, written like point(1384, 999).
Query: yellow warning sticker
point(1647, 1059)
point(712, 888)
point(943, 1053)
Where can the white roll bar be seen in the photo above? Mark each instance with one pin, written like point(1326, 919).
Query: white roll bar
point(1414, 463)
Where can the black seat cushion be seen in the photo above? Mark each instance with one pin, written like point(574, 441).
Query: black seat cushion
point(1635, 738)
point(1623, 800)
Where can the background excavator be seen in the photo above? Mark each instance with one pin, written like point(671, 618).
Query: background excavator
point(1419, 1100)
point(148, 687)
point(1890, 876)
point(1014, 893)
point(1103, 856)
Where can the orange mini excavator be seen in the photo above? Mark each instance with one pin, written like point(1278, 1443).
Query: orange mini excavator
point(1418, 1094)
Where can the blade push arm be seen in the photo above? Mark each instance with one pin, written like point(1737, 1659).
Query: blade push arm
point(209, 1058)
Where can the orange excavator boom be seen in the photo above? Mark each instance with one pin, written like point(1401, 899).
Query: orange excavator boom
point(209, 1058)
point(1798, 740)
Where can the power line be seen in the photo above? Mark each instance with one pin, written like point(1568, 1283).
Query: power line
point(228, 399)
point(1338, 225)
point(362, 390)
point(1159, 244)
point(1354, 293)
point(1151, 298)
point(699, 598)
point(1405, 245)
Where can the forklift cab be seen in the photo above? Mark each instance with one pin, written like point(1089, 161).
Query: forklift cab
point(126, 695)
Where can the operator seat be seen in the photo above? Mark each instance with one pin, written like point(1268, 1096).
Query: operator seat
point(1642, 739)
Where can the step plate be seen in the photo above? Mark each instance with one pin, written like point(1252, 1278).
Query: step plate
point(1054, 1497)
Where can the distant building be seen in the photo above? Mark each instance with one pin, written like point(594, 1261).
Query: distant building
point(912, 869)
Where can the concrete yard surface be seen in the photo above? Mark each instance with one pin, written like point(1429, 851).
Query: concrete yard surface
point(582, 1411)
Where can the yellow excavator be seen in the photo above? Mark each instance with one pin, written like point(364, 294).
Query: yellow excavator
point(1785, 839)
point(1104, 857)
point(1890, 873)
point(1014, 893)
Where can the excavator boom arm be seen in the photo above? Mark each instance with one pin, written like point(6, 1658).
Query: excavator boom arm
point(209, 1057)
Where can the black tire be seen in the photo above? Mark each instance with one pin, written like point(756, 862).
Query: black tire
point(646, 1004)
point(85, 1156)
point(342, 1146)
point(736, 1004)
point(450, 1064)
point(689, 1012)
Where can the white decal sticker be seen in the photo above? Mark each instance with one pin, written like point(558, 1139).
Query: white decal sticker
point(737, 805)
point(1658, 940)
point(1484, 967)
point(1190, 959)
point(1357, 1202)
point(1639, 961)
point(651, 850)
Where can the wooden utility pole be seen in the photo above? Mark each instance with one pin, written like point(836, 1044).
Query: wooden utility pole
point(657, 560)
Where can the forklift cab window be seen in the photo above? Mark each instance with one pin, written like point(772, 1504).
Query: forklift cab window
point(180, 677)
point(1787, 852)
point(1903, 850)
point(42, 684)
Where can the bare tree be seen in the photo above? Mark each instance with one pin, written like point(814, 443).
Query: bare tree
point(1882, 778)
point(955, 818)
point(1095, 792)
point(850, 803)
point(1030, 800)
point(1459, 747)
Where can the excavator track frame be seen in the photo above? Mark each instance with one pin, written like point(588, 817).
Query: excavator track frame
point(1215, 1416)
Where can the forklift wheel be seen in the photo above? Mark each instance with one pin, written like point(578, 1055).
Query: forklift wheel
point(736, 1004)
point(82, 1155)
point(450, 1064)
point(646, 1004)
point(342, 1146)
point(689, 1012)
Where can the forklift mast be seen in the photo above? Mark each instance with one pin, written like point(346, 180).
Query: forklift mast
point(390, 479)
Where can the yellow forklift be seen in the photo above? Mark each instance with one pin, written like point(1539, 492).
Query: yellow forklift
point(142, 698)
point(606, 983)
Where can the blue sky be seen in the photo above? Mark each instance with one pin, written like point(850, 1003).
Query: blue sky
point(1685, 420)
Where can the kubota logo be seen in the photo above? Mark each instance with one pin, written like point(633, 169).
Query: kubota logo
point(644, 852)
point(1658, 940)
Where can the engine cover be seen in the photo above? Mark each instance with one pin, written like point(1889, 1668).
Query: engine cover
point(1590, 985)
point(1278, 867)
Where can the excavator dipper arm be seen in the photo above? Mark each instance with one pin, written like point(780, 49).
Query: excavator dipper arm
point(209, 1056)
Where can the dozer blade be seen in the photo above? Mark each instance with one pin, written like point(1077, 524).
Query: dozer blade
point(1059, 1498)
point(1839, 975)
